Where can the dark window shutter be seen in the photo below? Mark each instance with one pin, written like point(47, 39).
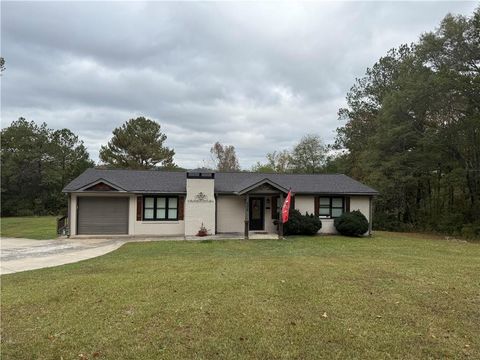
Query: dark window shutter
point(347, 203)
point(317, 206)
point(181, 208)
point(139, 208)
point(292, 203)
point(274, 207)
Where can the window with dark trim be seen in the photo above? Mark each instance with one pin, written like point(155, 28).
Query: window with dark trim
point(331, 207)
point(160, 208)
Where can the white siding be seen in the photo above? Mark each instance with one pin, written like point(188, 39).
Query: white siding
point(270, 227)
point(160, 228)
point(199, 212)
point(230, 214)
point(361, 203)
point(328, 227)
point(305, 203)
point(73, 214)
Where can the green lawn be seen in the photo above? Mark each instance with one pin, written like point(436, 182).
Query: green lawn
point(31, 227)
point(392, 296)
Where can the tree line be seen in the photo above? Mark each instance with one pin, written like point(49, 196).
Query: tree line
point(37, 162)
point(411, 130)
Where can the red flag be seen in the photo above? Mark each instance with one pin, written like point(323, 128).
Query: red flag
point(286, 207)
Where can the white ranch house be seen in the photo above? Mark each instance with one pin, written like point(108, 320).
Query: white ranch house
point(171, 203)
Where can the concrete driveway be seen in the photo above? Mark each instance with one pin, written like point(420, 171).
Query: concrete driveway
point(26, 254)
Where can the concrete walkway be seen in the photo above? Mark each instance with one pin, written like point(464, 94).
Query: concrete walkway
point(26, 254)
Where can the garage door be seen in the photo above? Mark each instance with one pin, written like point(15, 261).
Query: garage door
point(102, 216)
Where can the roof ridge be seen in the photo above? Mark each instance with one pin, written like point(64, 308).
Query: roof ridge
point(274, 173)
point(217, 172)
point(140, 170)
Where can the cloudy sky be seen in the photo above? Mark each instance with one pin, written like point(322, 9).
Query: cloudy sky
point(254, 75)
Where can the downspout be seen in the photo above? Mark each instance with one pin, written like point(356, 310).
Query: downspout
point(370, 215)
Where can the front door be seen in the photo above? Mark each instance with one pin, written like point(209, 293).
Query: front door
point(257, 213)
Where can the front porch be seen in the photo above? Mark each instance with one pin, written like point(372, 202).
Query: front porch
point(262, 206)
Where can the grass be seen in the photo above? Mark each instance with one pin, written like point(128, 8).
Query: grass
point(392, 296)
point(30, 227)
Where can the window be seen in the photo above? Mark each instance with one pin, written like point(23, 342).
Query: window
point(160, 208)
point(149, 208)
point(330, 207)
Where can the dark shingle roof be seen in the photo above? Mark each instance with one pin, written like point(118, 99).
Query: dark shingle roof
point(133, 180)
point(299, 183)
point(150, 181)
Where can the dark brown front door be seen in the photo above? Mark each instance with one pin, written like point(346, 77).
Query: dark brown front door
point(257, 213)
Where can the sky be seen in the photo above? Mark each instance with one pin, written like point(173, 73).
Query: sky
point(258, 76)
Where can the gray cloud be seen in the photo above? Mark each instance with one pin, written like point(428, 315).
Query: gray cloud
point(255, 75)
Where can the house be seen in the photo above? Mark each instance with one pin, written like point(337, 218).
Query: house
point(161, 203)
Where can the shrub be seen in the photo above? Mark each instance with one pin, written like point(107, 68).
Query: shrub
point(351, 223)
point(299, 224)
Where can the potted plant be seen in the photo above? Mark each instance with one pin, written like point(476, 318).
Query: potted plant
point(203, 231)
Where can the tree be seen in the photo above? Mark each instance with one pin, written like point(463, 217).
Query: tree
point(413, 131)
point(37, 162)
point(308, 155)
point(68, 159)
point(24, 149)
point(277, 161)
point(137, 144)
point(280, 161)
point(2, 64)
point(262, 168)
point(224, 157)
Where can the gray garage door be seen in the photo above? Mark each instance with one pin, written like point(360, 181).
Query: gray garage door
point(102, 216)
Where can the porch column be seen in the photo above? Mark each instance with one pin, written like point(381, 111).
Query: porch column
point(280, 223)
point(69, 215)
point(247, 209)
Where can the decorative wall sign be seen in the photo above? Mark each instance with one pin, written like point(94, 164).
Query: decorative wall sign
point(200, 197)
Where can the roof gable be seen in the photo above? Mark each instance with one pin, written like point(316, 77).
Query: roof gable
point(265, 184)
point(101, 185)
